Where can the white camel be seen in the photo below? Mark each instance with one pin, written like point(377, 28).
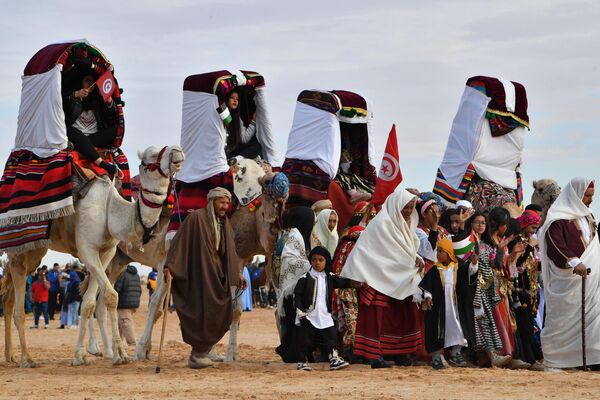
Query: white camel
point(255, 233)
point(102, 219)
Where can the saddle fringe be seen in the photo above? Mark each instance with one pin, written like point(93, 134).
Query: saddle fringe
point(39, 217)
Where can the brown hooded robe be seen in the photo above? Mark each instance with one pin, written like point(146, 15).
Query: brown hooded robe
point(202, 278)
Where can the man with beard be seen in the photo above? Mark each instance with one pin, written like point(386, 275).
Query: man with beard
point(204, 265)
point(570, 250)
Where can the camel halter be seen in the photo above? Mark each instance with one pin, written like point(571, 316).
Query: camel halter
point(155, 166)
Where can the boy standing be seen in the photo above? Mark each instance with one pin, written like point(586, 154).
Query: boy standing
point(312, 297)
point(448, 305)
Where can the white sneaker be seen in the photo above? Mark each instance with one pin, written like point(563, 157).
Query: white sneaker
point(46, 326)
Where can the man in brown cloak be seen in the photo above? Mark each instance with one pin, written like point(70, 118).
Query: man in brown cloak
point(204, 265)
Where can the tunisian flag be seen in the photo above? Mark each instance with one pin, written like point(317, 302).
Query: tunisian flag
point(106, 85)
point(390, 175)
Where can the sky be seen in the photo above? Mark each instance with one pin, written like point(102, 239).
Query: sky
point(411, 59)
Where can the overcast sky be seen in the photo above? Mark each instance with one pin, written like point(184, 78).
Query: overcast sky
point(411, 59)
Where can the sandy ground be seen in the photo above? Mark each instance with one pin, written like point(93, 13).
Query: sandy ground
point(261, 375)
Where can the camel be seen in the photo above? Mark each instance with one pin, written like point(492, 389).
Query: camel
point(101, 220)
point(545, 192)
point(150, 255)
point(255, 233)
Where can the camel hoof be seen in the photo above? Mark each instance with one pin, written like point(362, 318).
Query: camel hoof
point(142, 352)
point(117, 361)
point(97, 353)
point(12, 359)
point(27, 364)
point(77, 361)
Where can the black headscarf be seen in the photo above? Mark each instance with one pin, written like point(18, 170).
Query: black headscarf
point(322, 251)
point(303, 219)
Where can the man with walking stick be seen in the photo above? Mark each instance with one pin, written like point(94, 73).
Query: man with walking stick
point(570, 252)
point(203, 265)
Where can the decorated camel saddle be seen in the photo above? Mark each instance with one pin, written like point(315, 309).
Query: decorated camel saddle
point(483, 155)
point(42, 170)
point(329, 151)
point(204, 140)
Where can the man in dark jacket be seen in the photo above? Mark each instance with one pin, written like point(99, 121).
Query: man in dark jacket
point(312, 297)
point(129, 288)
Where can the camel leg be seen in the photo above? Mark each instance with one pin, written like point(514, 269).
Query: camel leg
point(19, 279)
point(111, 300)
point(233, 353)
point(92, 347)
point(101, 318)
point(144, 345)
point(9, 309)
point(87, 309)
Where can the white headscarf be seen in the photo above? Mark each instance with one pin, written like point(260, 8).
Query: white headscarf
point(561, 335)
point(384, 255)
point(210, 197)
point(569, 204)
point(321, 235)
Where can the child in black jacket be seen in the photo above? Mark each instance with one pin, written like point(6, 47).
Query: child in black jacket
point(312, 297)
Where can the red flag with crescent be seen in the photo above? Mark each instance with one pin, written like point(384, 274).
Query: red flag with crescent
point(390, 175)
point(106, 85)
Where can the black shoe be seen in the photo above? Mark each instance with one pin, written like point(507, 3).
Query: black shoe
point(404, 361)
point(380, 364)
point(437, 364)
point(457, 360)
point(303, 366)
point(110, 168)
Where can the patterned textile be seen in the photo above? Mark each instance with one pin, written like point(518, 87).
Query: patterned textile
point(501, 120)
point(386, 326)
point(486, 195)
point(33, 191)
point(308, 183)
point(345, 301)
point(22, 237)
point(486, 300)
point(192, 196)
point(448, 194)
point(318, 99)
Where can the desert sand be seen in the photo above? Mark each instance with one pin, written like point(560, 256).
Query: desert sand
point(260, 374)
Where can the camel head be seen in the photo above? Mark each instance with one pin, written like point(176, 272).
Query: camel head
point(275, 188)
point(157, 167)
point(545, 192)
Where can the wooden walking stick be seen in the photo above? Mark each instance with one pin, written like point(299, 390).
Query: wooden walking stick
point(164, 322)
point(583, 279)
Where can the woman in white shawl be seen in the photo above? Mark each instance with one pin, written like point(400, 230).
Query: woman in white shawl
point(298, 222)
point(569, 247)
point(385, 259)
point(324, 233)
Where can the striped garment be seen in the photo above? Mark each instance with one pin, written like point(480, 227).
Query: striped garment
point(486, 299)
point(386, 326)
